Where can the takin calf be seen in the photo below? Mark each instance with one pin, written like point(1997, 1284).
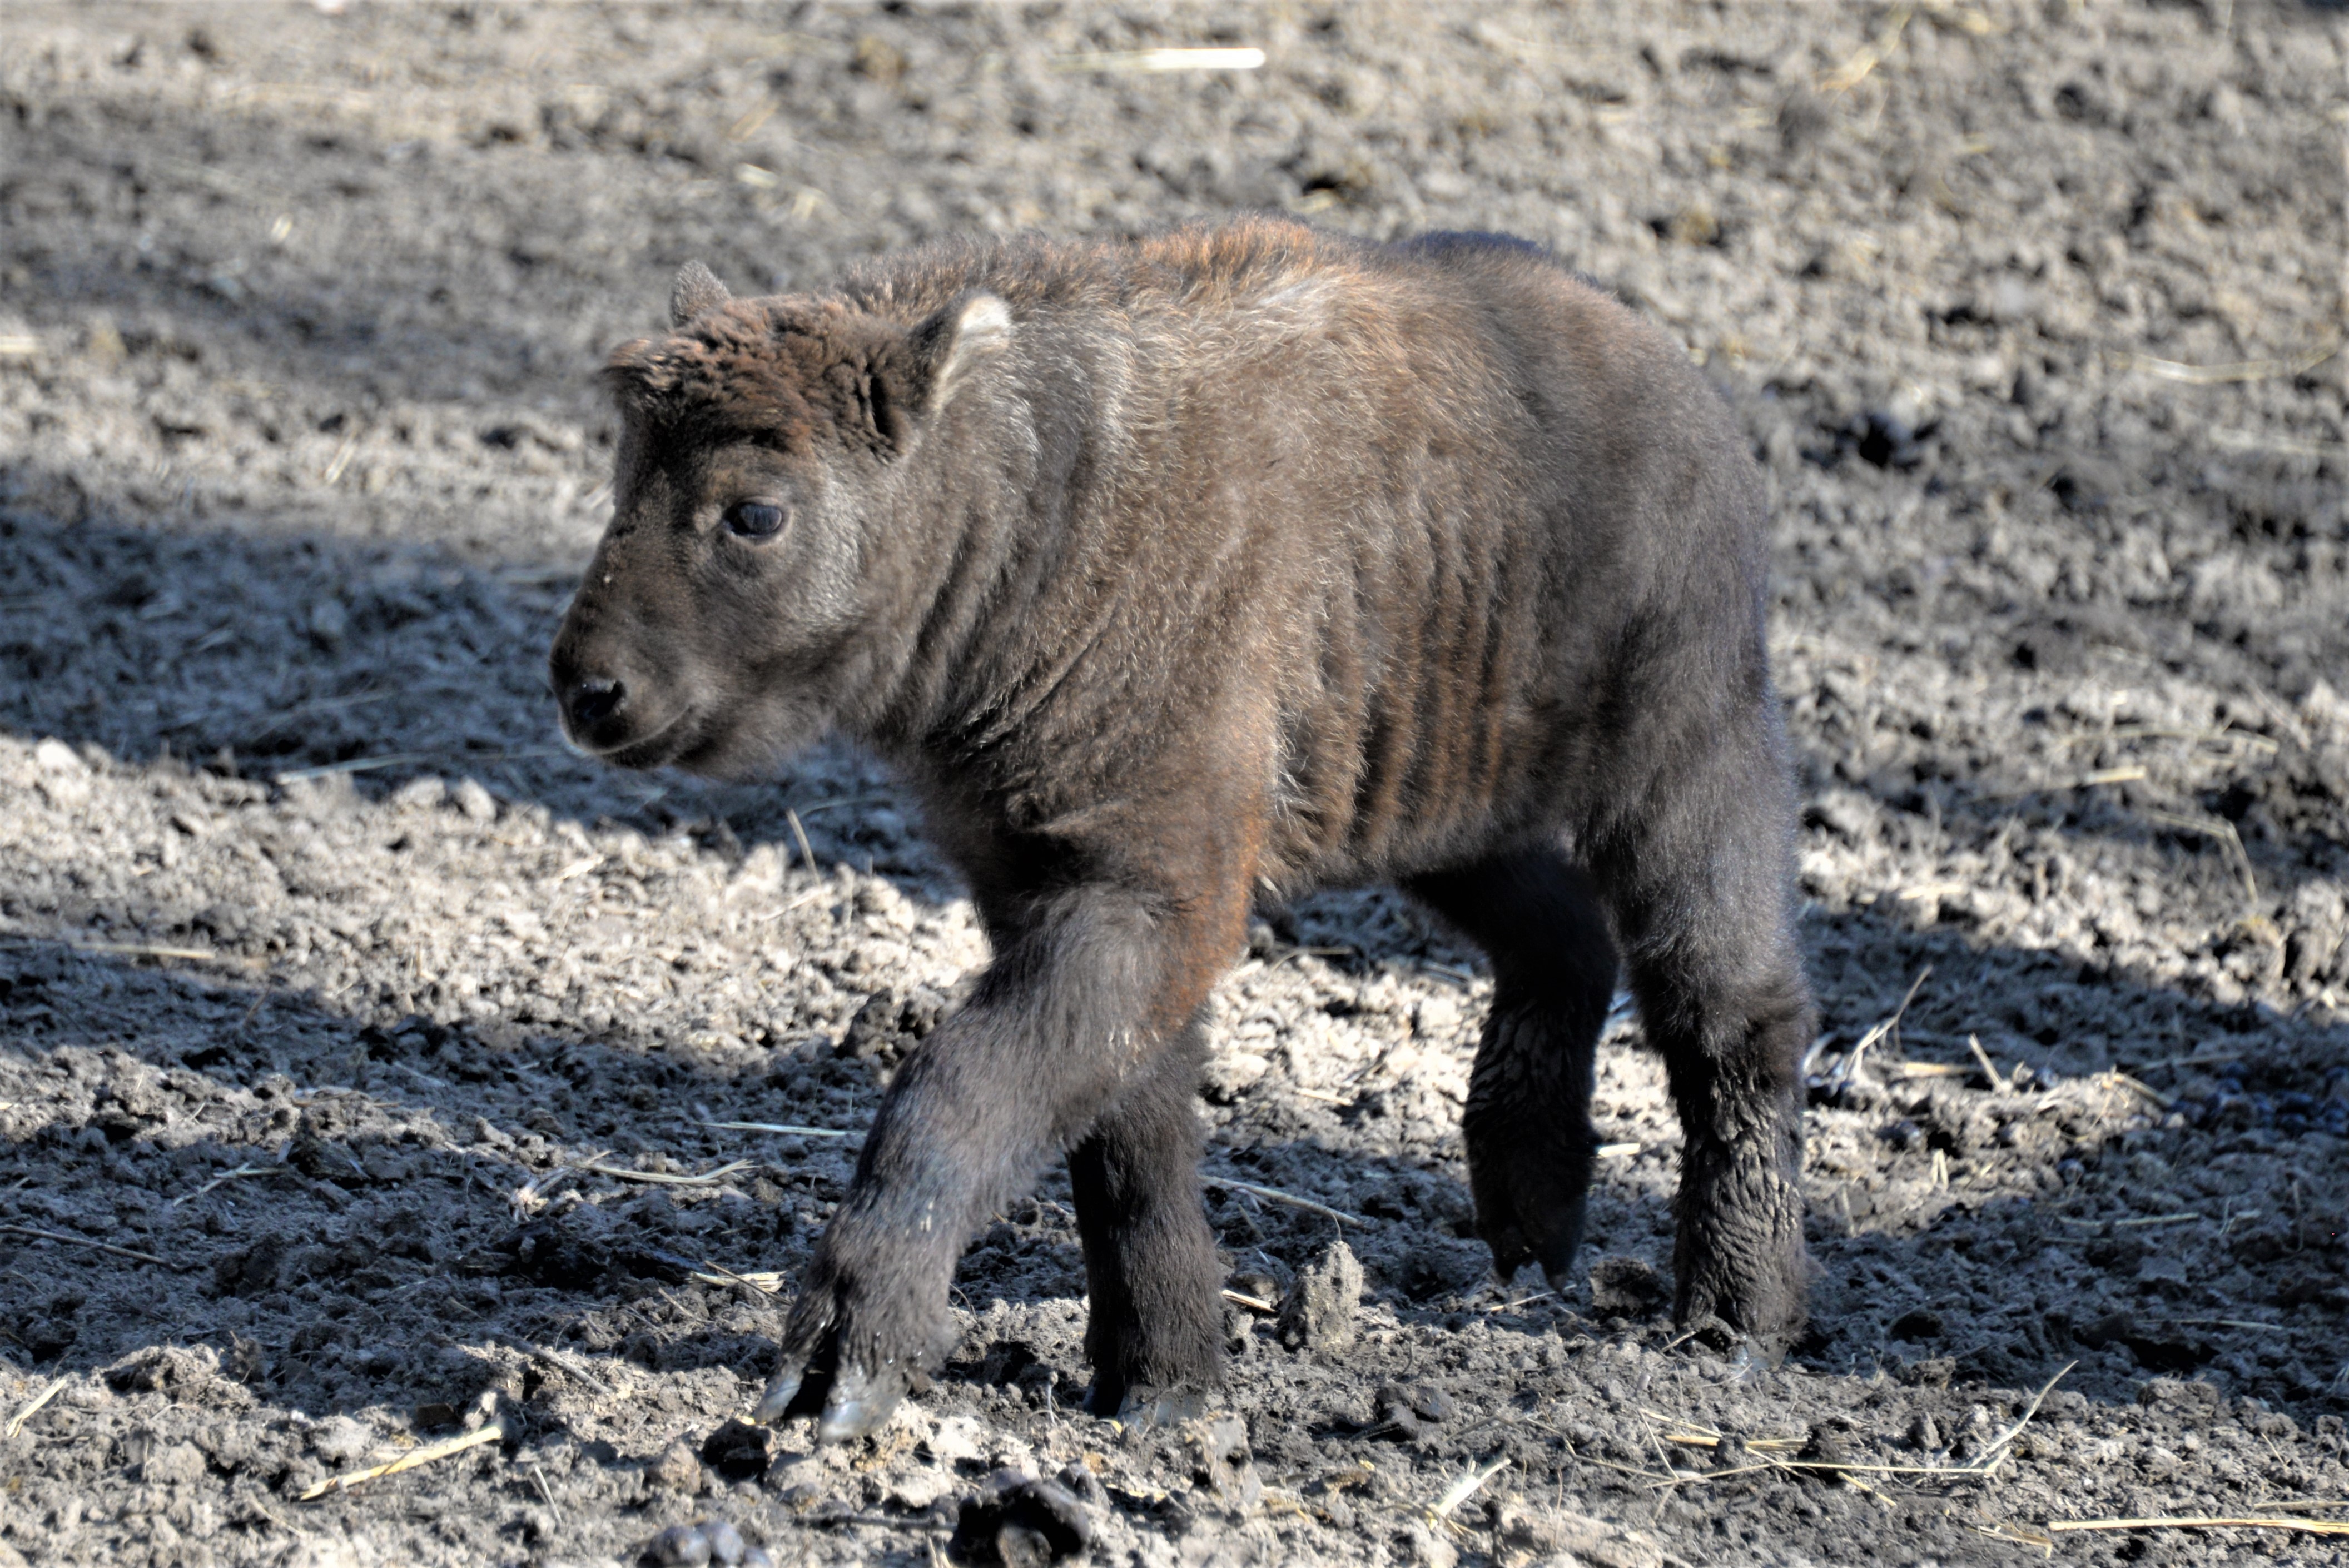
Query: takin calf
point(1248, 557)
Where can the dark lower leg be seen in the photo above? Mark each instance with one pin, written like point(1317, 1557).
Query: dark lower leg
point(1703, 899)
point(1150, 1266)
point(1529, 1134)
point(1737, 1247)
point(1053, 1034)
point(1528, 1123)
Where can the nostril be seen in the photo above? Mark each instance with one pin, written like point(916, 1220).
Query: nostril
point(593, 702)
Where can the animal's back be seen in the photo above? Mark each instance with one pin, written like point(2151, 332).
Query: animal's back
point(1398, 507)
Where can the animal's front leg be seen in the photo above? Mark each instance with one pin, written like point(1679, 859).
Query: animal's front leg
point(1061, 1019)
point(1151, 1268)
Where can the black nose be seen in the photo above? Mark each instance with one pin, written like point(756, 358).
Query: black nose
point(593, 702)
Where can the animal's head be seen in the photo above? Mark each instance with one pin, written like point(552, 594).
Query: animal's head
point(763, 477)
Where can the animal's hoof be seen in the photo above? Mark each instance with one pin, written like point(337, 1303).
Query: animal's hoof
point(1138, 1404)
point(859, 1402)
point(846, 1401)
point(1747, 1354)
point(783, 1392)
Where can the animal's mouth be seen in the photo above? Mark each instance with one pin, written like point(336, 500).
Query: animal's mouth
point(669, 739)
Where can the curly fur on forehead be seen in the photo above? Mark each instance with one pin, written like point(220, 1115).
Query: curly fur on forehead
point(784, 371)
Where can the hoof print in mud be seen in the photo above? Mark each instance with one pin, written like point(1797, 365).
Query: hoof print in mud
point(1222, 1467)
point(1022, 1521)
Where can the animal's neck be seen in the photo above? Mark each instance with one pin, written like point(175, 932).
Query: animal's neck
point(980, 543)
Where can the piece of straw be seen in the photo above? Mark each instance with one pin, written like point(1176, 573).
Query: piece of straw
point(841, 802)
point(1161, 60)
point(1466, 1487)
point(784, 1129)
point(2237, 1323)
point(2223, 830)
point(1997, 1080)
point(765, 1281)
point(2283, 446)
point(1991, 1457)
point(16, 1422)
point(559, 1361)
point(342, 459)
point(489, 1433)
point(799, 837)
point(147, 950)
point(1868, 56)
point(239, 1174)
point(85, 1241)
point(1848, 1068)
point(402, 759)
point(2204, 1521)
point(2113, 1078)
point(355, 765)
point(2217, 375)
point(1276, 1195)
point(662, 1178)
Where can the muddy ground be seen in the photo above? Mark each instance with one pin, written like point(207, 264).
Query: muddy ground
point(346, 1025)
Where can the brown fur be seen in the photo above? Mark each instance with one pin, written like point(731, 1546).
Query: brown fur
point(1245, 556)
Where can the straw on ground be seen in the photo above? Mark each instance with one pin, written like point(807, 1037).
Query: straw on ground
point(33, 1406)
point(1274, 1195)
point(662, 1178)
point(784, 1130)
point(2204, 1521)
point(489, 1433)
point(86, 1242)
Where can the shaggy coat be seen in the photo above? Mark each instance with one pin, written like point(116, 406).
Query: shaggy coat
point(1172, 572)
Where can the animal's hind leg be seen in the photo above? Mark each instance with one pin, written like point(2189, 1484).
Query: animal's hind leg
point(1702, 884)
point(1150, 1267)
point(1527, 1124)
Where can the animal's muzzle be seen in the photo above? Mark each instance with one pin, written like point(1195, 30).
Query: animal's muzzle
point(591, 701)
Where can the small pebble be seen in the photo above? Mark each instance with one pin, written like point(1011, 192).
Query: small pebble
point(725, 1542)
point(679, 1546)
point(475, 801)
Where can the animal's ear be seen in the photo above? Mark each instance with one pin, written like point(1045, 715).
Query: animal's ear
point(697, 289)
point(952, 343)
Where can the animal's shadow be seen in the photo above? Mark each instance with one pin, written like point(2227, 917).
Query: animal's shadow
point(356, 1245)
point(457, 703)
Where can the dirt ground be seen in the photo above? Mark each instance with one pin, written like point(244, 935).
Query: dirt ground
point(366, 1064)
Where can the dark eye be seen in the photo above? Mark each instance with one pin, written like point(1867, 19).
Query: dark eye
point(754, 520)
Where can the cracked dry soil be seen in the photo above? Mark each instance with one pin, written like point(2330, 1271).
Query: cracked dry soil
point(368, 1068)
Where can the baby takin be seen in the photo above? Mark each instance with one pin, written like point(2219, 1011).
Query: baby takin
point(1169, 571)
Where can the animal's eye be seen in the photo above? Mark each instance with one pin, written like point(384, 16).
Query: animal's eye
point(754, 520)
